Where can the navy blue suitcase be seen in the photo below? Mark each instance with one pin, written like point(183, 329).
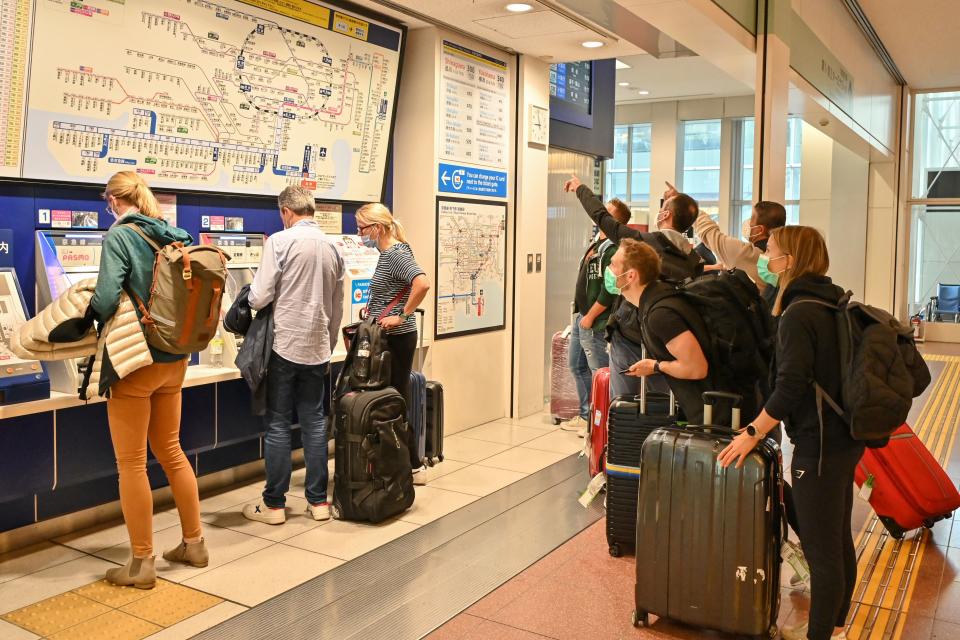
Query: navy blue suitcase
point(417, 412)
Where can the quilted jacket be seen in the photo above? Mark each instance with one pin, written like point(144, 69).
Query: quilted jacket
point(65, 330)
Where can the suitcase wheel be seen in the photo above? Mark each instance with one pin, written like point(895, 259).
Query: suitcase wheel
point(556, 421)
point(335, 511)
point(929, 522)
point(892, 527)
point(615, 550)
point(641, 619)
point(440, 457)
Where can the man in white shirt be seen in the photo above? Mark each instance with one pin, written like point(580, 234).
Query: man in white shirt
point(301, 274)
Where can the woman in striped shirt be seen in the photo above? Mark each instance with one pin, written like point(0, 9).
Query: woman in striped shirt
point(397, 277)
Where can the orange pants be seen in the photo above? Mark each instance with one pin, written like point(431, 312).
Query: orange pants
point(146, 406)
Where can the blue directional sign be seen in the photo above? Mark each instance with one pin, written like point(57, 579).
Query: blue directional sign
point(454, 178)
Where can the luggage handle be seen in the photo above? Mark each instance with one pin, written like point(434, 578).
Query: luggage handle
point(643, 390)
point(423, 320)
point(710, 397)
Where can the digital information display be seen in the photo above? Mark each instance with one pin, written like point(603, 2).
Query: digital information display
point(572, 83)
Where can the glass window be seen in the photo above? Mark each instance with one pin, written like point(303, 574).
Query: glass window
point(936, 144)
point(700, 160)
point(934, 219)
point(628, 172)
point(934, 258)
point(742, 192)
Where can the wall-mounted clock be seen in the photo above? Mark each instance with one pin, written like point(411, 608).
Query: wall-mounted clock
point(538, 125)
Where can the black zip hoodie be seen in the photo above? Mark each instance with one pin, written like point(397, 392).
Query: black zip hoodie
point(807, 351)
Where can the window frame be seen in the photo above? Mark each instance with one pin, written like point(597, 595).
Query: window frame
point(681, 157)
point(913, 203)
point(627, 198)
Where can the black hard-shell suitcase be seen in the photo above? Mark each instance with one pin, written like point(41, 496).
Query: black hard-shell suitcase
point(709, 538)
point(373, 479)
point(630, 421)
point(434, 440)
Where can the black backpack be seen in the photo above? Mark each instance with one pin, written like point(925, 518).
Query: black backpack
point(367, 364)
point(733, 327)
point(881, 370)
point(675, 265)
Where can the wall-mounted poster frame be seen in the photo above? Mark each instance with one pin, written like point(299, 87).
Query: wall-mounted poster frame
point(471, 278)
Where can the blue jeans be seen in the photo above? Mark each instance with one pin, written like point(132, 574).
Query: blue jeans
point(623, 355)
point(295, 386)
point(588, 352)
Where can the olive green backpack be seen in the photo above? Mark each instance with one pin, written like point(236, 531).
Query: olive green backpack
point(183, 312)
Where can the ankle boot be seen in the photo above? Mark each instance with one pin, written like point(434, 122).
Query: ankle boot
point(138, 572)
point(194, 553)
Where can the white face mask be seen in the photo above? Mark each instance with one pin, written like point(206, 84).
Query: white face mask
point(746, 231)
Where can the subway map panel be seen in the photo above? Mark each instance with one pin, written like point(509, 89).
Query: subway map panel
point(233, 96)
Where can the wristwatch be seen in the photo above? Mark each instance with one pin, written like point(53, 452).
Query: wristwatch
point(753, 433)
point(405, 316)
point(656, 366)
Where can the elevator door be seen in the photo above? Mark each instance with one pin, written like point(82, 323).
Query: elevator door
point(569, 230)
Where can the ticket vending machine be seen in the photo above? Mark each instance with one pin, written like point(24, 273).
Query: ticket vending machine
point(64, 258)
point(20, 380)
point(359, 264)
point(245, 251)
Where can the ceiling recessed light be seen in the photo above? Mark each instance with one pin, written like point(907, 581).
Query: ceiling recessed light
point(622, 65)
point(624, 84)
point(518, 7)
point(643, 92)
point(591, 44)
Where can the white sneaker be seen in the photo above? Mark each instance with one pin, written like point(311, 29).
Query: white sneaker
point(800, 633)
point(260, 512)
point(320, 511)
point(420, 477)
point(574, 424)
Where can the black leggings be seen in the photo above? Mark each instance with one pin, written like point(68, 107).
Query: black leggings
point(824, 505)
point(402, 347)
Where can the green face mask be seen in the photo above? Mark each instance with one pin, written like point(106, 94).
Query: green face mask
point(610, 281)
point(763, 270)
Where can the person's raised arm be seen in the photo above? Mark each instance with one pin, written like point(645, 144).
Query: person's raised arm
point(598, 212)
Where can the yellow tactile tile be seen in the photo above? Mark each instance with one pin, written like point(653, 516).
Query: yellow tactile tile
point(171, 605)
point(113, 625)
point(116, 597)
point(55, 614)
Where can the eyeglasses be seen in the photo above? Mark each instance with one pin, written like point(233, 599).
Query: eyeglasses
point(363, 227)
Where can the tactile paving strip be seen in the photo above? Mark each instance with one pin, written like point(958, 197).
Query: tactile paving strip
point(106, 612)
point(171, 605)
point(50, 616)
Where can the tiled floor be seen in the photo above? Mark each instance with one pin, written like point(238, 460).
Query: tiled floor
point(252, 562)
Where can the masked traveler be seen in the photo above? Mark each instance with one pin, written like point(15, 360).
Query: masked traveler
point(824, 458)
point(400, 281)
point(592, 304)
point(145, 406)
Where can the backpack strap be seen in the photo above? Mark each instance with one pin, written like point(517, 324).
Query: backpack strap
point(819, 392)
point(393, 303)
point(156, 247)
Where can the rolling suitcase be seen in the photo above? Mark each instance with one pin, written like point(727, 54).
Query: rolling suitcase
point(372, 480)
point(599, 408)
point(709, 538)
point(630, 421)
point(434, 439)
point(417, 411)
point(907, 487)
point(564, 402)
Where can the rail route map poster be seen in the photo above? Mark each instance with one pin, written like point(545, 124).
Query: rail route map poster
point(239, 96)
point(471, 266)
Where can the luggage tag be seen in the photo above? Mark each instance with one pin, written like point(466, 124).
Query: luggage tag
point(596, 484)
point(866, 490)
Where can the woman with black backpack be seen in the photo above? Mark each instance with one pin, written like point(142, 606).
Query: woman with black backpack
point(824, 458)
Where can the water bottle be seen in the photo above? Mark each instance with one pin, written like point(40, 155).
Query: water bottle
point(363, 358)
point(216, 351)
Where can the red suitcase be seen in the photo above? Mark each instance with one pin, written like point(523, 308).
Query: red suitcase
point(599, 408)
point(564, 402)
point(909, 487)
